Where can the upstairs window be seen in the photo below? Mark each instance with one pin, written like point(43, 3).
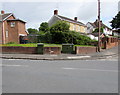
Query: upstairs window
point(88, 28)
point(78, 28)
point(74, 27)
point(12, 24)
point(6, 33)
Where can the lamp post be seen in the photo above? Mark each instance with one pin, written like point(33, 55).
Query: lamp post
point(99, 25)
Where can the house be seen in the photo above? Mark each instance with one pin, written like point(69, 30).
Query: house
point(75, 25)
point(94, 36)
point(116, 32)
point(12, 29)
point(92, 26)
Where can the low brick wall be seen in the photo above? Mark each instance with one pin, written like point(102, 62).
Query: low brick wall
point(20, 50)
point(118, 42)
point(29, 50)
point(52, 50)
point(111, 45)
point(85, 50)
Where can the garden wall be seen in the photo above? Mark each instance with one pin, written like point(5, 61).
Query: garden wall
point(52, 50)
point(110, 42)
point(18, 49)
point(30, 50)
point(85, 50)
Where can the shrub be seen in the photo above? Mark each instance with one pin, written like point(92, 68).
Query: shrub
point(11, 43)
point(60, 26)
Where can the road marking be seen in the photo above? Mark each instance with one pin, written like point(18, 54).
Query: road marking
point(86, 69)
point(13, 59)
point(53, 55)
point(78, 57)
point(69, 68)
point(6, 65)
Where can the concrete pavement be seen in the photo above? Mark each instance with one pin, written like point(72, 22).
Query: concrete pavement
point(104, 54)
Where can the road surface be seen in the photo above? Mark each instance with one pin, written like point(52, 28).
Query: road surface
point(63, 76)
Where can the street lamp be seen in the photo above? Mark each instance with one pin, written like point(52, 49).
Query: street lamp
point(99, 25)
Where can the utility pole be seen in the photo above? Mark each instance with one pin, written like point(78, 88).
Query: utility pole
point(99, 26)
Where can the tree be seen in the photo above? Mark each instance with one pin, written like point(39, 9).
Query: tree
point(32, 31)
point(115, 23)
point(97, 30)
point(44, 27)
point(60, 26)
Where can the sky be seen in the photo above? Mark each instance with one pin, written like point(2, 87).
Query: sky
point(34, 12)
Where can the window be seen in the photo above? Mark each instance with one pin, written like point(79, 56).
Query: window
point(88, 28)
point(12, 24)
point(85, 29)
point(74, 27)
point(6, 33)
point(78, 28)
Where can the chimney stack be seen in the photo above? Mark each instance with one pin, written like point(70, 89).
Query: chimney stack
point(75, 18)
point(55, 12)
point(2, 12)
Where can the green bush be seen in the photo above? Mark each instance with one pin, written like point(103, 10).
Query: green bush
point(11, 43)
point(60, 26)
point(59, 33)
point(97, 30)
point(59, 37)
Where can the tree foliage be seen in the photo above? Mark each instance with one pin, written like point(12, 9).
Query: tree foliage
point(115, 23)
point(60, 26)
point(44, 27)
point(59, 33)
point(97, 30)
point(32, 31)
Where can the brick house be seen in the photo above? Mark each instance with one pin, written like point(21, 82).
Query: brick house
point(75, 25)
point(12, 29)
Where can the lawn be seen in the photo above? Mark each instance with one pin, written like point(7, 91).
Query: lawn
point(35, 45)
point(84, 45)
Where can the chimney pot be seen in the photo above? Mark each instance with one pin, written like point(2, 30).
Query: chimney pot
point(55, 12)
point(75, 18)
point(2, 12)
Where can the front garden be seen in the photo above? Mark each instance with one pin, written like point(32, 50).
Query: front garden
point(35, 45)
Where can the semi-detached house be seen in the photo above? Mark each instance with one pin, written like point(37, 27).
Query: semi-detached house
point(75, 25)
point(12, 29)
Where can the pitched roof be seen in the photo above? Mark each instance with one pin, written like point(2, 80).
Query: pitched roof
point(5, 16)
point(16, 20)
point(95, 25)
point(116, 30)
point(69, 20)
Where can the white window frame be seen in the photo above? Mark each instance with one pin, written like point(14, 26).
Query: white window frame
point(12, 24)
point(74, 27)
point(6, 33)
point(79, 28)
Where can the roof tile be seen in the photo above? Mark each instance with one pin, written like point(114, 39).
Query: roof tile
point(70, 20)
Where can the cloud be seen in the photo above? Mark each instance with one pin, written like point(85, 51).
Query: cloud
point(57, 0)
point(108, 11)
point(1, 5)
point(87, 10)
point(35, 13)
point(119, 6)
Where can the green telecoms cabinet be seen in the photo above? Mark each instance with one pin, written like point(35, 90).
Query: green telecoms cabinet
point(40, 48)
point(67, 48)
